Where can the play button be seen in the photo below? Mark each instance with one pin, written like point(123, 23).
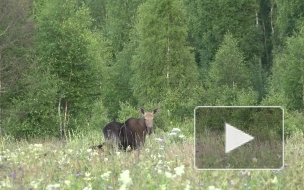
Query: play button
point(238, 137)
point(235, 138)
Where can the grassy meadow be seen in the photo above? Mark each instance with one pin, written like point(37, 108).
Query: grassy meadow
point(166, 162)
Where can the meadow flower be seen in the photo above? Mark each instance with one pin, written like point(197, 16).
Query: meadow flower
point(87, 176)
point(188, 187)
point(274, 180)
point(246, 186)
point(106, 175)
point(175, 130)
point(53, 186)
point(67, 182)
point(172, 134)
point(212, 188)
point(89, 150)
point(37, 145)
point(6, 183)
point(34, 184)
point(179, 170)
point(159, 139)
point(117, 153)
point(88, 187)
point(181, 136)
point(105, 159)
point(163, 186)
point(153, 156)
point(125, 179)
point(169, 175)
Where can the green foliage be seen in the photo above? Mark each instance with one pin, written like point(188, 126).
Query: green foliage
point(116, 86)
point(293, 123)
point(163, 66)
point(289, 16)
point(34, 114)
point(127, 111)
point(74, 54)
point(120, 21)
point(210, 20)
point(16, 45)
point(99, 117)
point(288, 71)
point(228, 82)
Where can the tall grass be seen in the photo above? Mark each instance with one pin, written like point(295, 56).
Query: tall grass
point(166, 162)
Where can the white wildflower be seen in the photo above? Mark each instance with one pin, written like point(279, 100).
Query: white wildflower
point(88, 187)
point(175, 130)
point(53, 186)
point(35, 184)
point(87, 174)
point(89, 150)
point(188, 187)
point(125, 177)
point(163, 187)
point(169, 175)
point(213, 188)
point(159, 139)
point(67, 182)
point(179, 170)
point(274, 180)
point(106, 175)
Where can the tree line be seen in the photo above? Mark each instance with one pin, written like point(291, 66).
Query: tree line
point(74, 65)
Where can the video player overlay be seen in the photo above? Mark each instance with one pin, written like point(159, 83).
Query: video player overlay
point(239, 137)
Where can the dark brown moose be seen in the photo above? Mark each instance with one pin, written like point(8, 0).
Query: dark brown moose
point(134, 130)
point(130, 133)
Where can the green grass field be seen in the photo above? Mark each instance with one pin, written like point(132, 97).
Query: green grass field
point(166, 162)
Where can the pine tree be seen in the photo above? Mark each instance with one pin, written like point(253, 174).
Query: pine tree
point(229, 82)
point(164, 68)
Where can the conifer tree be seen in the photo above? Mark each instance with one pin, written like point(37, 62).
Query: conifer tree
point(164, 68)
point(228, 82)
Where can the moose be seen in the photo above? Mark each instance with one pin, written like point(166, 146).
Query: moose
point(130, 133)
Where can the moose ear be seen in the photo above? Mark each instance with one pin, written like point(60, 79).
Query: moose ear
point(142, 111)
point(155, 111)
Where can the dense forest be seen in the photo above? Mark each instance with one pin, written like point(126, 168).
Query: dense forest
point(74, 65)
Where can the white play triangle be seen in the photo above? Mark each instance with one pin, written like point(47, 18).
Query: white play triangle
point(235, 138)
